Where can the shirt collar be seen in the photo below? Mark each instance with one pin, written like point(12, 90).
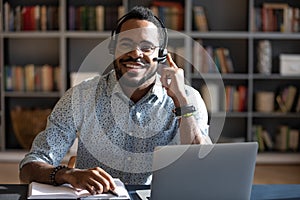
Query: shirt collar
point(115, 88)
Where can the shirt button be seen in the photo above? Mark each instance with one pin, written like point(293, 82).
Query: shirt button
point(129, 158)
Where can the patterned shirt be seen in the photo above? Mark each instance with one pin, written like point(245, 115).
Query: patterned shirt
point(113, 132)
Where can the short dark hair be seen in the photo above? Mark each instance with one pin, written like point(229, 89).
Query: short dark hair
point(143, 13)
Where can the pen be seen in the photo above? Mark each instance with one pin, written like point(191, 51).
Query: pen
point(113, 192)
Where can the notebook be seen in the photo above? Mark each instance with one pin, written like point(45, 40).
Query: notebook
point(217, 171)
point(66, 191)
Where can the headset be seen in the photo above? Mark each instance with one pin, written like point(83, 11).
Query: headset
point(162, 53)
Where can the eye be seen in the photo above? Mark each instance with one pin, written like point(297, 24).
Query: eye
point(145, 47)
point(125, 45)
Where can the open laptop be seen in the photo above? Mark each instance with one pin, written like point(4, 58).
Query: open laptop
point(217, 171)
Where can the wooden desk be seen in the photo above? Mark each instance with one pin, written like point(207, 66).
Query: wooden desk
point(259, 192)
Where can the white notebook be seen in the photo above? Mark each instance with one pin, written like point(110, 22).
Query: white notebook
point(66, 191)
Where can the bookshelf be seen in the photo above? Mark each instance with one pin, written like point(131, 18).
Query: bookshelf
point(229, 26)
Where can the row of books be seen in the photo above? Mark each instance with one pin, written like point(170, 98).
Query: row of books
point(235, 97)
point(276, 17)
point(32, 78)
point(30, 18)
point(211, 60)
point(285, 138)
point(170, 13)
point(105, 17)
point(94, 18)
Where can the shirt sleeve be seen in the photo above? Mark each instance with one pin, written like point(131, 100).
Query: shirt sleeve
point(201, 115)
point(52, 144)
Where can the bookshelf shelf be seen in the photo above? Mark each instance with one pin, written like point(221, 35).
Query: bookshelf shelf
point(32, 94)
point(221, 34)
point(217, 76)
point(272, 35)
point(236, 114)
point(85, 34)
point(28, 34)
point(275, 115)
point(274, 76)
point(229, 25)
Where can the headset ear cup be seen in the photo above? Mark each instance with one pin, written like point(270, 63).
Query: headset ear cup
point(111, 46)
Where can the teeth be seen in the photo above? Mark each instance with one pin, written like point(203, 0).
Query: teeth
point(132, 66)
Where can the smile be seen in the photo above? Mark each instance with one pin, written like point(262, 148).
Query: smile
point(132, 66)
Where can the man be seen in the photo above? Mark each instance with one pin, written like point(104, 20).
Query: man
point(120, 117)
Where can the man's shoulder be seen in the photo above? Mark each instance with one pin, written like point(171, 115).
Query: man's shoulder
point(94, 82)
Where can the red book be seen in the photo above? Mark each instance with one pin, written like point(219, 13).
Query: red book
point(28, 20)
point(242, 98)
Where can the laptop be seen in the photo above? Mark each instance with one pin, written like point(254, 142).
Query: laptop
point(217, 171)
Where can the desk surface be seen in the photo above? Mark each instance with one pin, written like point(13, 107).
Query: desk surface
point(259, 192)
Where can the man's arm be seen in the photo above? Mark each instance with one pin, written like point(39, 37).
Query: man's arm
point(172, 79)
point(95, 180)
point(51, 145)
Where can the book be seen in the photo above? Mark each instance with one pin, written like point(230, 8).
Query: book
point(8, 78)
point(43, 16)
point(29, 71)
point(66, 191)
point(47, 78)
point(200, 18)
point(100, 17)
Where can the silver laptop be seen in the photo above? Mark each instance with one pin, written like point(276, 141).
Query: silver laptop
point(217, 171)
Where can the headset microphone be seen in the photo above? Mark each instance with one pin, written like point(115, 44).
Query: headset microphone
point(159, 59)
point(162, 56)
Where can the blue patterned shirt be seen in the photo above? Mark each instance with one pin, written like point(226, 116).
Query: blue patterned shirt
point(113, 132)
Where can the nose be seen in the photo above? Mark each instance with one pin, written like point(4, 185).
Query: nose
point(136, 53)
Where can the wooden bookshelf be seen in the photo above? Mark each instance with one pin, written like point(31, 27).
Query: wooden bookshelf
point(230, 25)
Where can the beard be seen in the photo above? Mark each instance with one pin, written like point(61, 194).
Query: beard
point(121, 77)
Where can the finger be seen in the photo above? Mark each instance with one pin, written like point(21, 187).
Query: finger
point(164, 78)
point(90, 189)
point(170, 61)
point(107, 180)
point(97, 187)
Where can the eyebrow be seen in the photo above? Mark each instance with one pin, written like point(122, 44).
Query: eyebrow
point(130, 40)
point(126, 39)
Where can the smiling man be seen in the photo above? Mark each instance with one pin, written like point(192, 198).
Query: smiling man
point(120, 117)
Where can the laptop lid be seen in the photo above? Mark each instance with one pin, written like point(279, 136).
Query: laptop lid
point(217, 171)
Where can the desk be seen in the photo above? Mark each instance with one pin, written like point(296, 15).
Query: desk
point(259, 192)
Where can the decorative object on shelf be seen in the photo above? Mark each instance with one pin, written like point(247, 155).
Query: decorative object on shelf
point(27, 123)
point(264, 101)
point(286, 98)
point(289, 64)
point(264, 57)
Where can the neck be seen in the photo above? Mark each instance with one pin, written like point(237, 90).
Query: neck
point(137, 93)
